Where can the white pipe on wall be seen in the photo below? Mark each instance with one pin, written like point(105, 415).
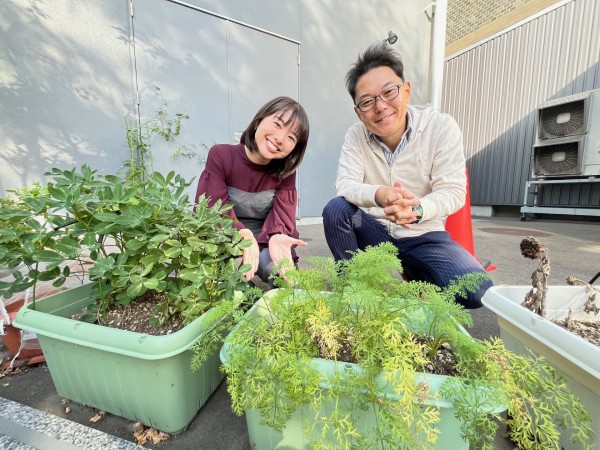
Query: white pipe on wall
point(437, 53)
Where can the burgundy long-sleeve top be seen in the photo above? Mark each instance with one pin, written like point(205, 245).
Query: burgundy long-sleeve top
point(261, 201)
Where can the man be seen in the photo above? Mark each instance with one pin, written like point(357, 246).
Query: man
point(401, 173)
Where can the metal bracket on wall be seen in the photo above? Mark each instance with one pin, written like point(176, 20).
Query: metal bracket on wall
point(531, 200)
point(425, 10)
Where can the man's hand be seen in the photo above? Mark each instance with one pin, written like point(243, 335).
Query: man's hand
point(397, 204)
point(250, 255)
point(280, 248)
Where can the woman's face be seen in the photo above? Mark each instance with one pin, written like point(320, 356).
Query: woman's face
point(274, 139)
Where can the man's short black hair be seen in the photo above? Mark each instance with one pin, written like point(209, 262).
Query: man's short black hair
point(376, 55)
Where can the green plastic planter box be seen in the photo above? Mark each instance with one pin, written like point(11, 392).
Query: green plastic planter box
point(133, 375)
point(573, 357)
point(292, 437)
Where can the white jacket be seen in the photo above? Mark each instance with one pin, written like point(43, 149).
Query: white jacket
point(432, 167)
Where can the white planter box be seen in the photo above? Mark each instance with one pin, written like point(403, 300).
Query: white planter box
point(574, 357)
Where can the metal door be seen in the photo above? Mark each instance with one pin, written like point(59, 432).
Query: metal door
point(215, 69)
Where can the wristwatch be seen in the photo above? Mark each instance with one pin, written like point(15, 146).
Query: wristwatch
point(419, 210)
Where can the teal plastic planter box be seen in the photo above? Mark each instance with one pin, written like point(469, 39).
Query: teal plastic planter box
point(137, 376)
point(575, 358)
point(293, 437)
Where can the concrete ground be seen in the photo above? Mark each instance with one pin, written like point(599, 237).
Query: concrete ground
point(32, 415)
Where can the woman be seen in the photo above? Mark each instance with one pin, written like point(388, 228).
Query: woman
point(258, 176)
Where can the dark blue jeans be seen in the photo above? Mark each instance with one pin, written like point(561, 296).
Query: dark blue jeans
point(433, 257)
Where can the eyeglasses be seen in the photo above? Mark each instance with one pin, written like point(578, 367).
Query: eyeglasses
point(389, 93)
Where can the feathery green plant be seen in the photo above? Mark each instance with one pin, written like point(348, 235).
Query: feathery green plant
point(348, 337)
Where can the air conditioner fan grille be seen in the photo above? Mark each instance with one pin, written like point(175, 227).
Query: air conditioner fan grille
point(562, 120)
point(557, 159)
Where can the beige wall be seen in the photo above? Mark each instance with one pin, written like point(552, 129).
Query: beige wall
point(470, 21)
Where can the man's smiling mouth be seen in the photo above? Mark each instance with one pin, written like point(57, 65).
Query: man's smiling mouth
point(385, 117)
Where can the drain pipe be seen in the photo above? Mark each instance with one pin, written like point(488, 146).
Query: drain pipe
point(439, 15)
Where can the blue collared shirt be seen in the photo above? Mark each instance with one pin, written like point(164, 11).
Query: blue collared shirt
point(389, 155)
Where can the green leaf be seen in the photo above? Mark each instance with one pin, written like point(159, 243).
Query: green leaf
point(93, 307)
point(146, 270)
point(151, 283)
point(58, 194)
point(86, 171)
point(192, 275)
point(59, 282)
point(48, 256)
point(33, 273)
point(245, 268)
point(67, 246)
point(10, 214)
point(160, 275)
point(195, 242)
point(187, 291)
point(211, 249)
point(135, 290)
point(150, 259)
point(121, 282)
point(89, 239)
point(186, 252)
point(88, 318)
point(245, 243)
point(155, 322)
point(135, 244)
point(102, 266)
point(105, 216)
point(123, 299)
point(172, 252)
point(157, 239)
point(127, 221)
point(48, 275)
point(28, 247)
point(158, 178)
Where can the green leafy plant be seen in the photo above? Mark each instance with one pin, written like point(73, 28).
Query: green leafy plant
point(140, 134)
point(130, 236)
point(18, 231)
point(348, 337)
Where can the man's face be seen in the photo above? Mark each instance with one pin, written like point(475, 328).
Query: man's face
point(387, 120)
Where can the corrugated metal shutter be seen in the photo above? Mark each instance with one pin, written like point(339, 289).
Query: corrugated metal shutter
point(494, 88)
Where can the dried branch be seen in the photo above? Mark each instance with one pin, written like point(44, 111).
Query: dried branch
point(569, 320)
point(535, 299)
point(590, 306)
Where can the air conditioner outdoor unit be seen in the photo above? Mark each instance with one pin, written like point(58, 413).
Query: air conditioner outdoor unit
point(568, 137)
